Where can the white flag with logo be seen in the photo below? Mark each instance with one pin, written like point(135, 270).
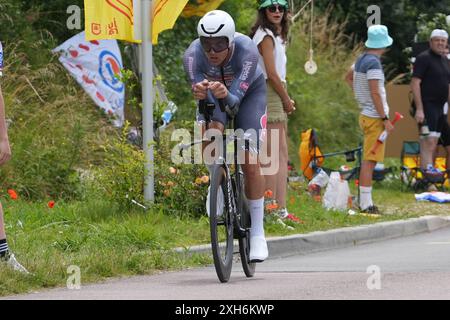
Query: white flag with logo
point(96, 66)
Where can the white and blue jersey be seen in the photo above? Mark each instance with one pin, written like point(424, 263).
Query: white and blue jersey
point(368, 67)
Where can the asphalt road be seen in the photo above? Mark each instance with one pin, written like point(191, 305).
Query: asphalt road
point(415, 267)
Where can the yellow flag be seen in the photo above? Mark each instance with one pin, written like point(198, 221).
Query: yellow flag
point(109, 19)
point(202, 7)
point(165, 14)
point(120, 19)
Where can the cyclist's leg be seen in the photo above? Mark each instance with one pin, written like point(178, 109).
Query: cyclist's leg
point(252, 119)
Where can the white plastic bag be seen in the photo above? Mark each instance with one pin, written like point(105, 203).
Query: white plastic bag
point(321, 179)
point(337, 193)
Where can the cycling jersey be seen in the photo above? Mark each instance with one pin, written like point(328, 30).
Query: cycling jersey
point(241, 75)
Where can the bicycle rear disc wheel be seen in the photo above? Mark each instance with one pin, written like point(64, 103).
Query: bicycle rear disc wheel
point(221, 225)
point(244, 242)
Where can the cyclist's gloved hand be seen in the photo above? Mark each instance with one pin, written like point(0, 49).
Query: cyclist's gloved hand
point(219, 90)
point(200, 90)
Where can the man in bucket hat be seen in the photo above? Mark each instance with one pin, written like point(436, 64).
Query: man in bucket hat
point(430, 86)
point(370, 92)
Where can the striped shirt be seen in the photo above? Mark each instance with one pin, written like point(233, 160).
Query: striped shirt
point(368, 67)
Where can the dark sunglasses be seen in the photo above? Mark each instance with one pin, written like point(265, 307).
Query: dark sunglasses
point(274, 9)
point(218, 44)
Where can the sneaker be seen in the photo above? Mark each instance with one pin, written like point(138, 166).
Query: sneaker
point(283, 213)
point(11, 261)
point(220, 202)
point(258, 249)
point(371, 210)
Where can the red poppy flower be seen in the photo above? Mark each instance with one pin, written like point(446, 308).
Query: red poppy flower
point(51, 204)
point(13, 194)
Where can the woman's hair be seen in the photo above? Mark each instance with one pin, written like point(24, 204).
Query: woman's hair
point(263, 22)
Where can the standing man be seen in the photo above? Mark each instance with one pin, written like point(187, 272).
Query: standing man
point(6, 257)
point(430, 86)
point(370, 92)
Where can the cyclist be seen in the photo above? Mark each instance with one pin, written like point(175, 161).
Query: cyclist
point(223, 64)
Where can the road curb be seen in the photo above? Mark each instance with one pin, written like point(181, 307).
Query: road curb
point(341, 238)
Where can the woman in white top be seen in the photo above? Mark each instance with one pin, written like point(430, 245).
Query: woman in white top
point(270, 35)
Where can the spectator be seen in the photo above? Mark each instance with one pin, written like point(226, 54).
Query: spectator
point(6, 257)
point(430, 87)
point(270, 35)
point(444, 140)
point(369, 89)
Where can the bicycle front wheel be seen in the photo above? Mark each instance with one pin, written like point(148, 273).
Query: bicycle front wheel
point(221, 223)
point(243, 217)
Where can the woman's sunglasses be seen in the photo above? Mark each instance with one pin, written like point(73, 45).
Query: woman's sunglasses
point(218, 44)
point(276, 8)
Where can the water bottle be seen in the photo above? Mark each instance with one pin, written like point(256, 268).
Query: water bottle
point(169, 112)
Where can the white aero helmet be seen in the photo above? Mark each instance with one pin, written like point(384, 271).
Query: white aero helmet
point(217, 23)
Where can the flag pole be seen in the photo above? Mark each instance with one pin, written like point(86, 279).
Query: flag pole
point(147, 99)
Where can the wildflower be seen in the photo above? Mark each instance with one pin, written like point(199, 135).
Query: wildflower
point(170, 184)
point(172, 170)
point(13, 194)
point(271, 207)
point(205, 179)
point(198, 181)
point(51, 204)
point(268, 194)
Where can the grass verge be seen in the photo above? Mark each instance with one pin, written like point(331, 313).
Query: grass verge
point(105, 242)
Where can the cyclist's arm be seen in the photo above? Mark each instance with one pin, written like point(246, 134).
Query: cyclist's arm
point(248, 65)
point(192, 65)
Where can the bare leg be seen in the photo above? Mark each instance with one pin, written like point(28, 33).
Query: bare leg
point(277, 182)
point(427, 151)
point(447, 149)
point(2, 224)
point(366, 175)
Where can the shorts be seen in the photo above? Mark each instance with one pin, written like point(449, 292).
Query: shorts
point(251, 117)
point(444, 140)
point(434, 115)
point(372, 128)
point(275, 108)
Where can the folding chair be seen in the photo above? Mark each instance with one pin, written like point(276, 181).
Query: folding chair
point(312, 158)
point(413, 177)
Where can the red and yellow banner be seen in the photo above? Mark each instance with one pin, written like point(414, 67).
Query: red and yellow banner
point(109, 19)
point(165, 14)
point(121, 19)
point(201, 8)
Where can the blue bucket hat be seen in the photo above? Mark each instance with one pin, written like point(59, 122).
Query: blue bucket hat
point(378, 37)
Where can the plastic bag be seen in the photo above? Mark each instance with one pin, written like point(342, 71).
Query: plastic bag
point(337, 193)
point(321, 179)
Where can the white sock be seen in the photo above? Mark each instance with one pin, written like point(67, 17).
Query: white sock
point(366, 197)
point(257, 215)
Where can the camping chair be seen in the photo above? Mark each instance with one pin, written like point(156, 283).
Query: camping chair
point(413, 177)
point(312, 158)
